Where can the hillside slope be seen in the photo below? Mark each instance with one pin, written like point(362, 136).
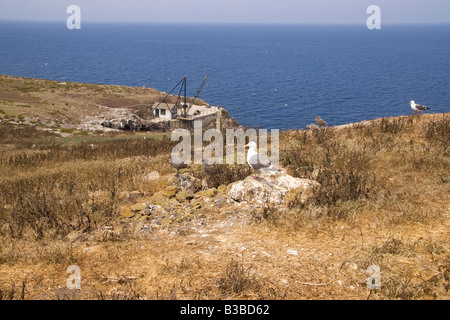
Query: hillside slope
point(57, 104)
point(111, 204)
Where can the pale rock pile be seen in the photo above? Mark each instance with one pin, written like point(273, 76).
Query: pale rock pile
point(271, 190)
point(185, 198)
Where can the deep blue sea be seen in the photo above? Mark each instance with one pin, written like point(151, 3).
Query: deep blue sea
point(266, 76)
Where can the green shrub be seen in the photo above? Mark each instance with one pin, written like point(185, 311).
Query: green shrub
point(67, 130)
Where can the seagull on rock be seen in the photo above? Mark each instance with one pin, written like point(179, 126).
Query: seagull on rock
point(320, 122)
point(418, 107)
point(257, 161)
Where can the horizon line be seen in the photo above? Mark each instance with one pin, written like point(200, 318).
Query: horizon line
point(221, 23)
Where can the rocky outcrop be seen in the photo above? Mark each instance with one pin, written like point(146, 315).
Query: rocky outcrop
point(184, 198)
point(134, 123)
point(185, 194)
point(186, 182)
point(271, 190)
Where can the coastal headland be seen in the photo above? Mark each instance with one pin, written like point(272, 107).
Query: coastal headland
point(359, 211)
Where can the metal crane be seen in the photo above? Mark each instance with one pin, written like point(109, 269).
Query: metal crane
point(164, 100)
point(187, 108)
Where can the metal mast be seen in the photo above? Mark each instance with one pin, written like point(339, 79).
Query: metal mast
point(195, 97)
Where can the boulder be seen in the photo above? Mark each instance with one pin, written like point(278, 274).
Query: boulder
point(186, 182)
point(170, 192)
point(135, 195)
point(184, 195)
point(133, 123)
point(138, 207)
point(126, 213)
point(271, 190)
point(209, 193)
point(165, 198)
point(152, 176)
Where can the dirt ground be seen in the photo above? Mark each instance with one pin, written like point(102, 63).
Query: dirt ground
point(226, 256)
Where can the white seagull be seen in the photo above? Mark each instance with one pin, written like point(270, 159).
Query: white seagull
point(257, 161)
point(418, 107)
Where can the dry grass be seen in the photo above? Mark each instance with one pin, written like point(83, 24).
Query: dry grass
point(383, 201)
point(238, 278)
point(387, 164)
point(49, 188)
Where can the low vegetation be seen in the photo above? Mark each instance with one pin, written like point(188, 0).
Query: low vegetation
point(383, 201)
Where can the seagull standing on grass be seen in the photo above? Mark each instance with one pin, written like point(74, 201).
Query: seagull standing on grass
point(418, 107)
point(257, 161)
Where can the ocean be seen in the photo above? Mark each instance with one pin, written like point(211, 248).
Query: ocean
point(266, 76)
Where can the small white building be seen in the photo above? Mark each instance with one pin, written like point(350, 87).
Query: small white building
point(163, 111)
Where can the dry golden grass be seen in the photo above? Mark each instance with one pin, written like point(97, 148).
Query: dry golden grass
point(48, 187)
point(384, 201)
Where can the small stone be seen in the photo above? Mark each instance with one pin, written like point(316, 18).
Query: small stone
point(170, 192)
point(222, 188)
point(196, 205)
point(135, 195)
point(353, 266)
point(210, 193)
point(154, 175)
point(123, 196)
point(184, 195)
point(126, 213)
point(138, 207)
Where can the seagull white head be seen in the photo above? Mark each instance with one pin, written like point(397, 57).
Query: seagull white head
point(412, 102)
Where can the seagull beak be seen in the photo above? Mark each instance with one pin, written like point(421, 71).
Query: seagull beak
point(246, 146)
